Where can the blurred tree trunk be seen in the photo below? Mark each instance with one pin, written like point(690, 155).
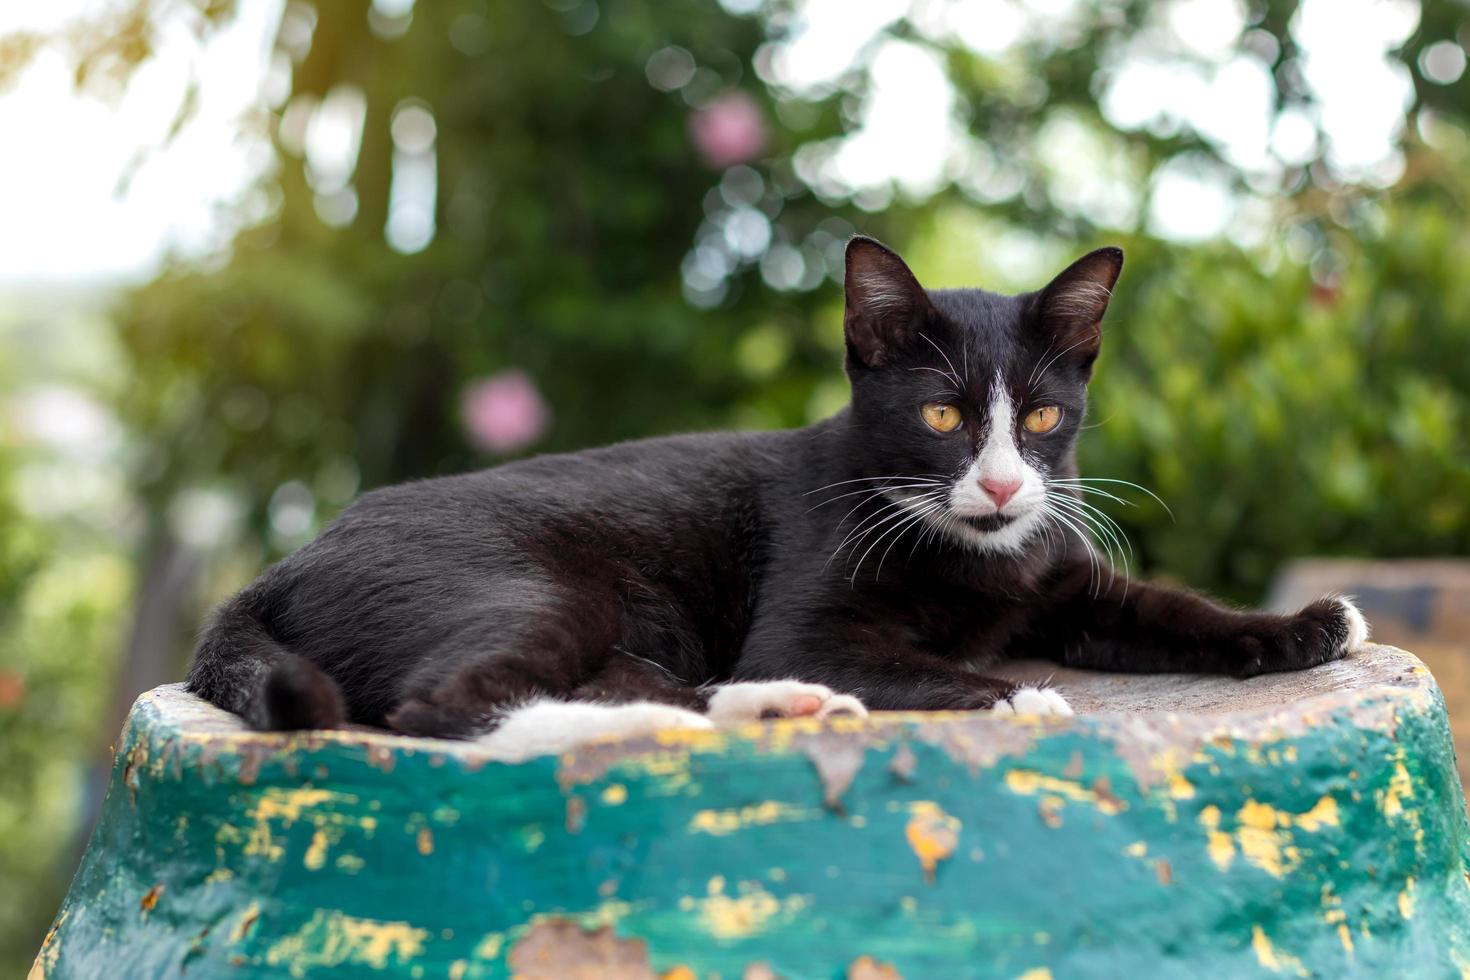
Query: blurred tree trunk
point(166, 597)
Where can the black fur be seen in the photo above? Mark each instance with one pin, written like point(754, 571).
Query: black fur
point(649, 569)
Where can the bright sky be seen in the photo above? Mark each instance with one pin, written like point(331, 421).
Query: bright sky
point(61, 220)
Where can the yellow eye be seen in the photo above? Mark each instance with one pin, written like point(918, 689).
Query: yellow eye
point(1043, 419)
point(941, 417)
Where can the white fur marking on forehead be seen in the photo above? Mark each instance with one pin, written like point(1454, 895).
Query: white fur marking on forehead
point(999, 458)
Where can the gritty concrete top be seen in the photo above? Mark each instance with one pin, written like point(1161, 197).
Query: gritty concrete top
point(1147, 717)
point(1094, 692)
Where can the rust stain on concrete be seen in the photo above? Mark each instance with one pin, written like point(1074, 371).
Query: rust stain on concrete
point(868, 968)
point(149, 901)
point(559, 949)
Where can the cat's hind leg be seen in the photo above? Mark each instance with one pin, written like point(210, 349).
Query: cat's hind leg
point(554, 727)
point(549, 727)
point(563, 693)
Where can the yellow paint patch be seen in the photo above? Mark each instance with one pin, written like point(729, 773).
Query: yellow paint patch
point(722, 822)
point(1180, 788)
point(350, 864)
point(680, 972)
point(1391, 800)
point(1261, 843)
point(333, 939)
point(490, 946)
point(285, 807)
point(1029, 783)
point(746, 913)
point(1400, 788)
point(1345, 936)
point(1272, 958)
point(1137, 849)
point(1036, 973)
point(671, 769)
point(1323, 814)
point(615, 795)
point(1220, 849)
point(688, 738)
point(1263, 834)
point(424, 841)
point(1406, 899)
point(932, 835)
point(606, 914)
point(316, 853)
point(1219, 845)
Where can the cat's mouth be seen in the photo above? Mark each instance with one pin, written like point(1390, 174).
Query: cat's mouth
point(989, 522)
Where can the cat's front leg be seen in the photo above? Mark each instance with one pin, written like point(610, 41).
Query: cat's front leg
point(887, 675)
point(744, 701)
point(1139, 627)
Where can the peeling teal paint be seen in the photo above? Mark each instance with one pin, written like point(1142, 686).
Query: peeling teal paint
point(1326, 837)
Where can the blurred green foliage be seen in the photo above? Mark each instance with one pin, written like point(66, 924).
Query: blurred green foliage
point(1306, 395)
point(65, 587)
point(1281, 416)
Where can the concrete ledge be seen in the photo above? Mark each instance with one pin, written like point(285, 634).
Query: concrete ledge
point(1300, 824)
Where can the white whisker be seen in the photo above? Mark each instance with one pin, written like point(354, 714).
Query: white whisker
point(879, 540)
point(925, 512)
point(959, 385)
point(863, 479)
point(872, 492)
point(1082, 481)
point(1047, 366)
point(872, 522)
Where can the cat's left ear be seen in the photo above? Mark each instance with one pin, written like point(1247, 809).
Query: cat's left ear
point(1072, 305)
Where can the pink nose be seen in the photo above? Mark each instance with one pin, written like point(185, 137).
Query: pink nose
point(1000, 491)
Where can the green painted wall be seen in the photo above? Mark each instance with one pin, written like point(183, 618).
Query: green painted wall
point(1322, 836)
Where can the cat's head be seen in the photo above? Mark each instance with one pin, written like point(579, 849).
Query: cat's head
point(970, 399)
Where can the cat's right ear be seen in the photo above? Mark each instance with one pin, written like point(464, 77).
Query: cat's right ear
point(1072, 305)
point(886, 306)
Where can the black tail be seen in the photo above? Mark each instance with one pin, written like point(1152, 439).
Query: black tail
point(241, 668)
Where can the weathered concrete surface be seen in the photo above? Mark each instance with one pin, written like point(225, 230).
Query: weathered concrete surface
point(1418, 604)
point(1303, 824)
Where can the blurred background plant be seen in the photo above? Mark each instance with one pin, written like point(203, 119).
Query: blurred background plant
point(345, 244)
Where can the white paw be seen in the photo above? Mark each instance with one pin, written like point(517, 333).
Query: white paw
point(554, 727)
point(753, 700)
point(1033, 701)
point(1357, 626)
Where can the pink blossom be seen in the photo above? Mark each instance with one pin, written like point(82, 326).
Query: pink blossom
point(504, 412)
point(729, 129)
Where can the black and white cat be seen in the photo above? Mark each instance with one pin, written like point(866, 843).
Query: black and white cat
point(881, 558)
